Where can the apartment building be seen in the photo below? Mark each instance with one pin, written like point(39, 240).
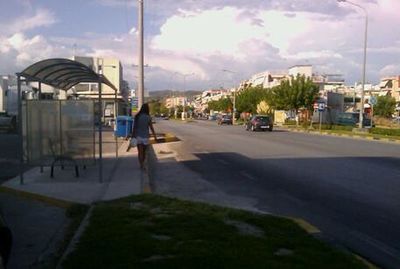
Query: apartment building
point(391, 86)
point(112, 69)
point(172, 102)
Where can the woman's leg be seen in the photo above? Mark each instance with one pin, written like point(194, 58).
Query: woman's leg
point(141, 155)
point(144, 153)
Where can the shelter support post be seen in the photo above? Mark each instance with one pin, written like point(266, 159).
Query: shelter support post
point(100, 133)
point(21, 138)
point(115, 123)
point(40, 119)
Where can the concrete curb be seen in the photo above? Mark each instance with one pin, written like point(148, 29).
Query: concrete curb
point(37, 197)
point(355, 136)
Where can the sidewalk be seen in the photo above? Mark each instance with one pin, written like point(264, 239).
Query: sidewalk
point(35, 211)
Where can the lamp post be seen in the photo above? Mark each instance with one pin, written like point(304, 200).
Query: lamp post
point(140, 92)
point(234, 97)
point(365, 58)
point(184, 89)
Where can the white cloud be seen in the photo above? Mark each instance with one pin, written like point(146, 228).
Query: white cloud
point(133, 31)
point(21, 51)
point(41, 18)
point(323, 54)
point(390, 70)
point(205, 33)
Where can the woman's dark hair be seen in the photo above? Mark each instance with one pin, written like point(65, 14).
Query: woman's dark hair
point(143, 110)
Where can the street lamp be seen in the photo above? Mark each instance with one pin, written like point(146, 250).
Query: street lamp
point(234, 97)
point(365, 58)
point(184, 89)
point(140, 92)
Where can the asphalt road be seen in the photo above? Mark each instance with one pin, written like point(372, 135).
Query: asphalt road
point(348, 188)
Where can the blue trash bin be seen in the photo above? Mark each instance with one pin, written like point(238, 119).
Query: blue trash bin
point(124, 126)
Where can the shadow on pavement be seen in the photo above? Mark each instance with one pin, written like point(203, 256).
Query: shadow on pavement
point(353, 200)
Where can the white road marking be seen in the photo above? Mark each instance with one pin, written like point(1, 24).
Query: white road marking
point(201, 152)
point(247, 175)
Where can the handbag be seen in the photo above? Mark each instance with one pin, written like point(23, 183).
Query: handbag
point(133, 142)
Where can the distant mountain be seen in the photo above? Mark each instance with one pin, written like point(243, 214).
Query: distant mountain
point(169, 93)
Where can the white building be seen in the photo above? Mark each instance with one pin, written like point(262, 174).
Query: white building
point(112, 69)
point(305, 70)
point(173, 102)
point(267, 79)
point(3, 93)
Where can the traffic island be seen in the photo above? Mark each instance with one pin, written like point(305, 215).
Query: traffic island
point(151, 231)
point(361, 130)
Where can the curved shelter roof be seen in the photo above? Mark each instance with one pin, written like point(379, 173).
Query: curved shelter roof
point(63, 73)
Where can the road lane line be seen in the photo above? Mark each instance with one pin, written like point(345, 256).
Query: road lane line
point(247, 175)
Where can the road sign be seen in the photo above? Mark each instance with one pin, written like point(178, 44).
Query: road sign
point(134, 104)
point(373, 100)
point(321, 106)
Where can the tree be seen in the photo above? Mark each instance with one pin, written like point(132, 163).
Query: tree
point(263, 108)
point(154, 107)
point(248, 99)
point(385, 106)
point(295, 93)
point(224, 104)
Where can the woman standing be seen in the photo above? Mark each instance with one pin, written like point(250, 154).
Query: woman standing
point(141, 126)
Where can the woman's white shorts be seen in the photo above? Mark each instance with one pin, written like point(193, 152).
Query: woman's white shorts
point(142, 140)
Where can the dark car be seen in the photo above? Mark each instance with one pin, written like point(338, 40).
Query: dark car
point(212, 117)
point(224, 119)
point(259, 122)
point(352, 119)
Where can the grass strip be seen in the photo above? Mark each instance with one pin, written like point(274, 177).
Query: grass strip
point(151, 231)
point(348, 133)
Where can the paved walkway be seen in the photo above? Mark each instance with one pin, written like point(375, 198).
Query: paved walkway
point(37, 226)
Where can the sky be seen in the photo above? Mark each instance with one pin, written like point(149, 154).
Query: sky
point(193, 41)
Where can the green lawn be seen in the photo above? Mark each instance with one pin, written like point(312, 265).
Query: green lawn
point(149, 231)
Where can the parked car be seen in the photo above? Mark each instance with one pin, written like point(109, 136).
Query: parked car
point(224, 119)
point(352, 119)
point(8, 123)
point(212, 117)
point(259, 122)
point(396, 119)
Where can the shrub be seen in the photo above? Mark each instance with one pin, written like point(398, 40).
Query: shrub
point(384, 131)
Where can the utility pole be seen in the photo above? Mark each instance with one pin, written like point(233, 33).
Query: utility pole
point(141, 55)
point(364, 60)
point(234, 97)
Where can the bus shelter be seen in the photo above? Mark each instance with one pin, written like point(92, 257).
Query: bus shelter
point(60, 132)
